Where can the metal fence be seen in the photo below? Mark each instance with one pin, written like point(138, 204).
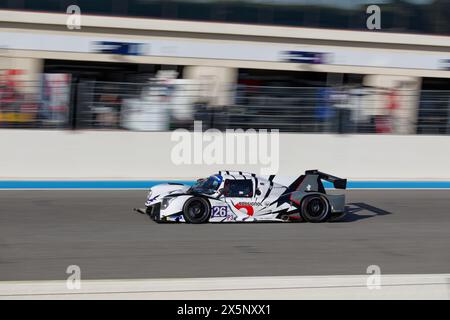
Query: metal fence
point(326, 109)
point(153, 106)
point(162, 106)
point(434, 112)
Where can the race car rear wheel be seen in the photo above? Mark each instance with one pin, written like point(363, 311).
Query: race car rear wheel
point(315, 208)
point(196, 210)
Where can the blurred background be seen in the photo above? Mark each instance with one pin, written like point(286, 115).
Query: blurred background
point(92, 102)
point(293, 65)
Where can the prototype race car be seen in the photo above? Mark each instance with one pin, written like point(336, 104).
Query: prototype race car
point(235, 196)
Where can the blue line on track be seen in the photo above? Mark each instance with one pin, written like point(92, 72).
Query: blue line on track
point(140, 184)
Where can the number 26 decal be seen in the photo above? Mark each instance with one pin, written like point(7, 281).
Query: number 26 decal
point(220, 211)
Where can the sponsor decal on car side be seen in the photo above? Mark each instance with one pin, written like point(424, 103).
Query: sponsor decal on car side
point(248, 206)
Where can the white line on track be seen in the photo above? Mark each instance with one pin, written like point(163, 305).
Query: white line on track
point(418, 286)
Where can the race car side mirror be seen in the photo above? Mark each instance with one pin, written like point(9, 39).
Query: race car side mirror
point(258, 192)
point(221, 191)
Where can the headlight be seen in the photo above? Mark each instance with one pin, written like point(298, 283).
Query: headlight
point(165, 203)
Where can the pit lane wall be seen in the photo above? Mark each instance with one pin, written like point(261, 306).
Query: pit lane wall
point(123, 155)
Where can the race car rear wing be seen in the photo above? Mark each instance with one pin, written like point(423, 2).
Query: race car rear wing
point(338, 183)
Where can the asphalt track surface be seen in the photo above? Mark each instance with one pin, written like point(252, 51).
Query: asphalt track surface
point(43, 232)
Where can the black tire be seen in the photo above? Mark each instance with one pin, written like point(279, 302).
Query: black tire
point(315, 208)
point(196, 210)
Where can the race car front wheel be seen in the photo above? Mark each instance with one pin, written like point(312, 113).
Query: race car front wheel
point(196, 210)
point(315, 208)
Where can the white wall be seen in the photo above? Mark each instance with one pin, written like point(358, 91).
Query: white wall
point(38, 154)
point(218, 29)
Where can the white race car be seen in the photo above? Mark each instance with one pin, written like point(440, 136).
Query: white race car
point(235, 196)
